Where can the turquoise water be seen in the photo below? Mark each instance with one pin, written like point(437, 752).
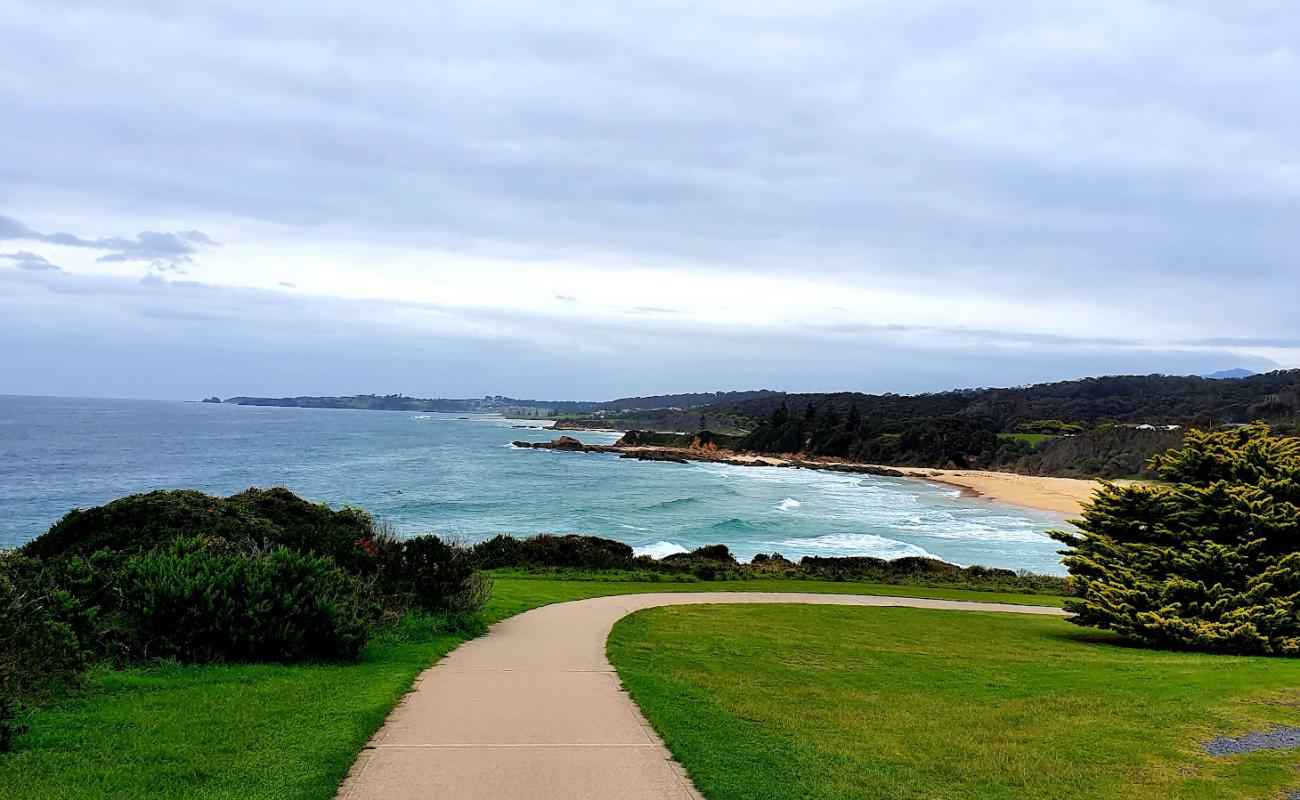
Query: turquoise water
point(446, 474)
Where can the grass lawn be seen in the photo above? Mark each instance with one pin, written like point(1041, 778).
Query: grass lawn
point(827, 702)
point(277, 731)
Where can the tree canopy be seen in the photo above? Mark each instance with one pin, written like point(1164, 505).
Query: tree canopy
point(1209, 560)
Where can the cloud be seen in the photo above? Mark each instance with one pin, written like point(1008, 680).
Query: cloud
point(29, 261)
point(107, 334)
point(162, 250)
point(1063, 157)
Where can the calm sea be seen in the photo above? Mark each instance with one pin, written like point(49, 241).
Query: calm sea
point(446, 474)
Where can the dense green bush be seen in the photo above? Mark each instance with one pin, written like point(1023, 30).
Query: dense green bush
point(260, 518)
point(199, 600)
point(1208, 561)
point(433, 575)
point(500, 551)
point(39, 648)
point(579, 552)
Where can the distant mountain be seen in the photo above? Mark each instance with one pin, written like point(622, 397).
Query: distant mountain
point(398, 402)
point(501, 404)
point(1230, 373)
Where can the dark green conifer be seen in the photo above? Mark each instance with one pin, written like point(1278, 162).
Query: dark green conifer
point(1207, 560)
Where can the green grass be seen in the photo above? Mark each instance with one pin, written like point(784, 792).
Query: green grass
point(287, 732)
point(825, 702)
point(1032, 439)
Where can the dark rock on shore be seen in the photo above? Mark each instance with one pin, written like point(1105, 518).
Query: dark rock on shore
point(655, 455)
point(684, 455)
point(562, 443)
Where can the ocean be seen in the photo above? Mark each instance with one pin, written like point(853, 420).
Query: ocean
point(459, 476)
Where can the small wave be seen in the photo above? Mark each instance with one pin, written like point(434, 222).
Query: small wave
point(659, 549)
point(788, 504)
point(632, 527)
point(678, 503)
point(735, 525)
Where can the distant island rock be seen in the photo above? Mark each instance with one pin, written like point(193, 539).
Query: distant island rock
point(212, 399)
point(1228, 374)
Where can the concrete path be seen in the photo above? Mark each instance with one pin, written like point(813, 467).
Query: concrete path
point(534, 710)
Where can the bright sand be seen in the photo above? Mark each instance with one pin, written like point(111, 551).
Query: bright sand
point(1062, 495)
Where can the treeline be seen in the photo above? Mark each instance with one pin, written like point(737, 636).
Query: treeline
point(959, 442)
point(683, 401)
point(947, 441)
point(1080, 428)
point(1112, 451)
point(1156, 399)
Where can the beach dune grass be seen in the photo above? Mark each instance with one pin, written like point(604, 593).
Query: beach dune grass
point(828, 702)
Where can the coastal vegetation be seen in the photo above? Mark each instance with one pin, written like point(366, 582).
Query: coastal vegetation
point(291, 730)
point(261, 576)
point(248, 646)
point(1107, 427)
point(587, 557)
point(1208, 559)
point(820, 702)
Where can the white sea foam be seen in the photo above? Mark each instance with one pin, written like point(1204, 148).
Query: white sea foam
point(851, 544)
point(659, 549)
point(788, 504)
point(632, 527)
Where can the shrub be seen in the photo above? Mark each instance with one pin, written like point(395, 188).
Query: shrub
point(140, 522)
point(433, 575)
point(308, 527)
point(254, 518)
point(499, 551)
point(199, 601)
point(1210, 561)
point(39, 648)
point(709, 552)
point(579, 552)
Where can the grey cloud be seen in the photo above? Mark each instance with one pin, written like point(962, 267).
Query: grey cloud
point(163, 250)
point(1025, 149)
point(24, 259)
point(107, 334)
point(1011, 145)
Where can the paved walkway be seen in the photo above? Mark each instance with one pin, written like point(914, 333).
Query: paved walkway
point(534, 710)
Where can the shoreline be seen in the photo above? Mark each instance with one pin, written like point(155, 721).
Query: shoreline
point(1057, 495)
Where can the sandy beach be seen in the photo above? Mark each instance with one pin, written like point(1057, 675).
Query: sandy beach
point(1062, 495)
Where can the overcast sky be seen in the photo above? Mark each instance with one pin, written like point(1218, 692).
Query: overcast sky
point(581, 200)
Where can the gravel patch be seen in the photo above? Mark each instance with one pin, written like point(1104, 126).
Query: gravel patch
point(1279, 738)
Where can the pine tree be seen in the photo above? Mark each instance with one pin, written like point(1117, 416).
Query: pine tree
point(1208, 560)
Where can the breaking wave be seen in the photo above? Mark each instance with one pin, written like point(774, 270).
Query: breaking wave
point(659, 549)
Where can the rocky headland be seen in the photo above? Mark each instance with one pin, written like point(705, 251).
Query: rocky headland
point(702, 448)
